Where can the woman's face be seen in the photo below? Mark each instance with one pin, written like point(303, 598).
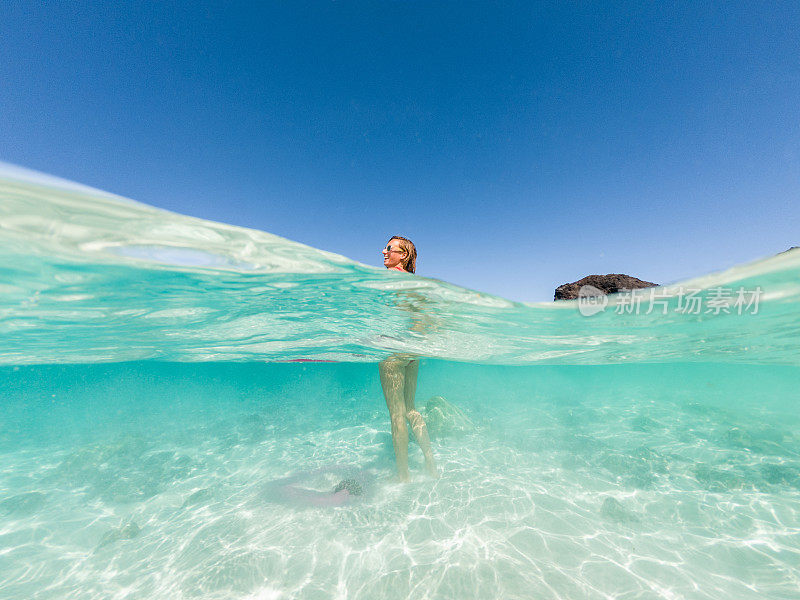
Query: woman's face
point(393, 254)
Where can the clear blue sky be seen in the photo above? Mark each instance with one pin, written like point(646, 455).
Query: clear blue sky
point(520, 145)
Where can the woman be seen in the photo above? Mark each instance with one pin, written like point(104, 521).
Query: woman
point(399, 376)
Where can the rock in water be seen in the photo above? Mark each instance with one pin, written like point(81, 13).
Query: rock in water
point(444, 418)
point(349, 485)
point(613, 510)
point(608, 284)
point(128, 532)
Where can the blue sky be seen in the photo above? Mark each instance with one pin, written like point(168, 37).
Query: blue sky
point(520, 145)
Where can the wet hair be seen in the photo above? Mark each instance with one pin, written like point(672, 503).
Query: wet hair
point(409, 261)
point(349, 485)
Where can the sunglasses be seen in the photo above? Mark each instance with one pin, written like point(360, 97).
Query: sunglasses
point(390, 249)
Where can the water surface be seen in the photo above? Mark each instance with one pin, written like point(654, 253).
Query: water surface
point(152, 408)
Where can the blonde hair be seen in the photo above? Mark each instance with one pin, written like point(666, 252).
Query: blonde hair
point(409, 261)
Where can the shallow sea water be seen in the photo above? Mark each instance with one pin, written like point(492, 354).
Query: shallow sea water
point(152, 423)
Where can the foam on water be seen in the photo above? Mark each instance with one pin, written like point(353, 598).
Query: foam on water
point(653, 456)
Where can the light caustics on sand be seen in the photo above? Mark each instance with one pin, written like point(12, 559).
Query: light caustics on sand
point(157, 441)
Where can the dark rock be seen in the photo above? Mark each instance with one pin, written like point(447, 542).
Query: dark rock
point(608, 284)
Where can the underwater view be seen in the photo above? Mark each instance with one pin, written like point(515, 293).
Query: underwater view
point(193, 410)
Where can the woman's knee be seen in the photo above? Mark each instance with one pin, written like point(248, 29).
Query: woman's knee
point(414, 417)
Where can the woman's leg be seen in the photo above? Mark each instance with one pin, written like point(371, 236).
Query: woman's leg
point(415, 418)
point(393, 380)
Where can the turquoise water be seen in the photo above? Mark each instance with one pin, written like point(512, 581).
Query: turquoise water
point(153, 420)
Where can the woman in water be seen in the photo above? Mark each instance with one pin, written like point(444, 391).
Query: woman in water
point(399, 376)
